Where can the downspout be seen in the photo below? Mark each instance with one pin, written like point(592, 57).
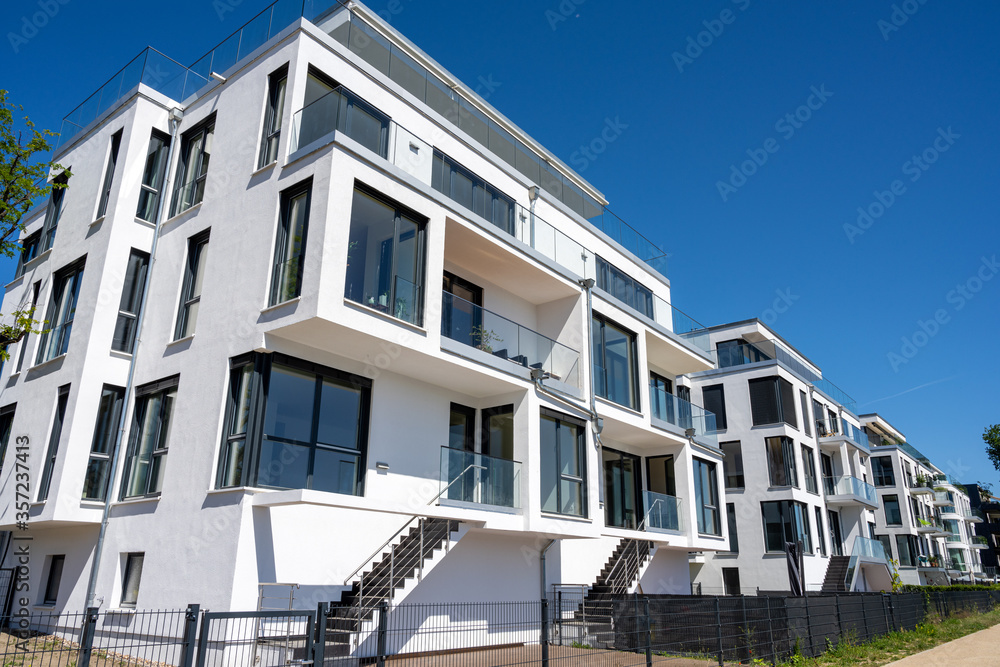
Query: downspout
point(175, 119)
point(542, 565)
point(597, 425)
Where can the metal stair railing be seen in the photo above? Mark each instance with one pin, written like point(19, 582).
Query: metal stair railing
point(626, 569)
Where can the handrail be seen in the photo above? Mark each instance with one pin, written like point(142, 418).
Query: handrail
point(642, 524)
point(407, 524)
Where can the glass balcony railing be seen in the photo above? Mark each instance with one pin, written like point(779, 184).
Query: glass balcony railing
point(480, 479)
point(682, 414)
point(854, 433)
point(868, 548)
point(932, 523)
point(766, 350)
point(850, 486)
point(473, 325)
point(954, 538)
point(662, 512)
point(342, 111)
point(948, 509)
point(839, 396)
point(979, 540)
point(975, 515)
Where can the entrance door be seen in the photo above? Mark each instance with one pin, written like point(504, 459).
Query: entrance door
point(462, 316)
point(497, 479)
point(660, 480)
point(836, 541)
point(621, 489)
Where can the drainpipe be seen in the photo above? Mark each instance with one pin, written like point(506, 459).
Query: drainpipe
point(532, 197)
point(597, 425)
point(542, 562)
point(175, 119)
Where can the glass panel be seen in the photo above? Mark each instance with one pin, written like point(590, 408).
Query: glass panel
point(549, 467)
point(407, 73)
point(370, 251)
point(133, 574)
point(241, 402)
point(290, 399)
point(569, 450)
point(146, 443)
point(571, 493)
point(339, 412)
point(366, 128)
point(283, 465)
point(95, 482)
point(335, 472)
point(232, 465)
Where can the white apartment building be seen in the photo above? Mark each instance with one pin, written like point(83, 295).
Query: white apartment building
point(925, 522)
point(796, 469)
point(315, 307)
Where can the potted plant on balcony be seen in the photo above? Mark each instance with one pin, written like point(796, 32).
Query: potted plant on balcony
point(485, 338)
point(921, 480)
point(935, 561)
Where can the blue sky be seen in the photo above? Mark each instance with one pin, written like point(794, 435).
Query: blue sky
point(888, 107)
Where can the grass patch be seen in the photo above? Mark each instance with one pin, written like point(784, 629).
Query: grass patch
point(897, 645)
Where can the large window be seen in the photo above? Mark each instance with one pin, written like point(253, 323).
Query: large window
point(109, 411)
point(614, 359)
point(809, 466)
point(706, 495)
point(290, 247)
point(462, 186)
point(882, 470)
point(109, 174)
point(734, 539)
point(908, 549)
point(62, 310)
point(194, 278)
point(781, 461)
point(890, 504)
point(563, 465)
point(128, 309)
point(732, 465)
point(147, 451)
point(54, 436)
point(385, 257)
point(131, 577)
point(785, 521)
point(54, 211)
point(772, 401)
point(152, 177)
point(192, 169)
point(313, 426)
point(276, 84)
point(624, 287)
point(714, 399)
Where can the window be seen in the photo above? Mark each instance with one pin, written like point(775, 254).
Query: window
point(276, 84)
point(706, 494)
point(772, 401)
point(194, 278)
point(462, 428)
point(714, 400)
point(330, 107)
point(907, 556)
point(192, 169)
point(882, 470)
point(62, 310)
point(109, 412)
point(614, 361)
point(731, 580)
point(820, 540)
point(152, 177)
point(109, 174)
point(891, 506)
point(818, 417)
point(23, 346)
point(385, 257)
point(734, 540)
point(832, 422)
point(131, 575)
point(313, 431)
point(805, 413)
point(147, 451)
point(785, 521)
point(54, 211)
point(623, 287)
point(290, 247)
point(738, 352)
point(465, 188)
point(781, 461)
point(809, 466)
point(563, 464)
point(732, 465)
point(128, 309)
point(6, 424)
point(53, 451)
point(886, 541)
point(661, 396)
point(29, 250)
point(52, 580)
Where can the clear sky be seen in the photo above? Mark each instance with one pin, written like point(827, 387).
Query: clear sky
point(887, 107)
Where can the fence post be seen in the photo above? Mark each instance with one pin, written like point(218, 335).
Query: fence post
point(864, 615)
point(892, 611)
point(545, 632)
point(559, 616)
point(885, 613)
point(319, 636)
point(649, 633)
point(383, 625)
point(190, 634)
point(746, 626)
point(87, 635)
point(718, 629)
point(809, 629)
point(770, 632)
point(840, 622)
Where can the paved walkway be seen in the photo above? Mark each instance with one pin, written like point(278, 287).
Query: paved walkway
point(981, 648)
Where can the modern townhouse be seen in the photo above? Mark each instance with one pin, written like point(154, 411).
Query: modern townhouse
point(319, 314)
point(796, 469)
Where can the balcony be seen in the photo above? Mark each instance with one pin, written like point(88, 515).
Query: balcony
point(506, 340)
point(865, 547)
point(979, 542)
point(847, 490)
point(974, 516)
point(679, 416)
point(341, 111)
point(942, 499)
point(954, 537)
point(468, 478)
point(662, 512)
point(921, 487)
point(930, 526)
point(848, 434)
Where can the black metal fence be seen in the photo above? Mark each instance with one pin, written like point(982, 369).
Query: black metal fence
point(567, 630)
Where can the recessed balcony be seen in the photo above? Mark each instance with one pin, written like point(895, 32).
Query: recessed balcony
point(929, 526)
point(979, 542)
point(922, 488)
point(830, 436)
point(849, 491)
point(942, 499)
point(341, 111)
point(662, 512)
point(682, 417)
point(974, 516)
point(471, 479)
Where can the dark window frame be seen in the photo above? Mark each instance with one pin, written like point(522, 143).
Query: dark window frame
point(778, 406)
point(54, 210)
point(7, 413)
point(158, 454)
point(734, 538)
point(197, 246)
point(30, 249)
point(277, 87)
point(109, 174)
point(599, 347)
point(288, 197)
point(885, 509)
point(709, 401)
point(788, 463)
point(581, 479)
point(624, 288)
point(488, 201)
point(54, 342)
point(809, 469)
point(154, 172)
point(55, 435)
point(738, 477)
point(192, 169)
point(708, 518)
point(103, 443)
point(131, 561)
point(883, 472)
point(53, 579)
point(136, 273)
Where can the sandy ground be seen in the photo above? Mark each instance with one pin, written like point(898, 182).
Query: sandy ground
point(980, 648)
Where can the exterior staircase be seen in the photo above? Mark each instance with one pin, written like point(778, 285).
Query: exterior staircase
point(836, 573)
